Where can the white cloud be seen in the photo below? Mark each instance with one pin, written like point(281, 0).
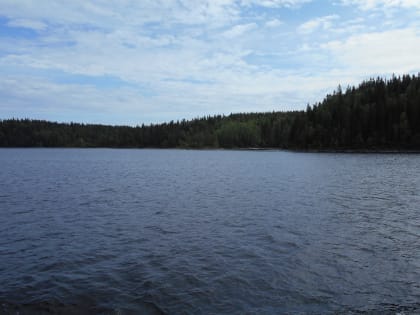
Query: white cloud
point(239, 30)
point(323, 23)
point(382, 4)
point(378, 53)
point(276, 3)
point(132, 13)
point(187, 58)
point(273, 23)
point(26, 23)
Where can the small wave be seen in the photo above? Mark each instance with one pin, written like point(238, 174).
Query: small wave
point(55, 307)
point(159, 229)
point(48, 308)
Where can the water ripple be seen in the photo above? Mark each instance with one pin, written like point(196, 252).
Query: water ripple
point(208, 232)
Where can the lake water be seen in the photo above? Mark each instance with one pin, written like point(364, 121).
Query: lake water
point(208, 232)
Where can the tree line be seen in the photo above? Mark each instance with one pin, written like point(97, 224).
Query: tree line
point(378, 114)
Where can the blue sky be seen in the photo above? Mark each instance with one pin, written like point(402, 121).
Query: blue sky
point(133, 62)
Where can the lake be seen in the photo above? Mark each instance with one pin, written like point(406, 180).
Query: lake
point(208, 232)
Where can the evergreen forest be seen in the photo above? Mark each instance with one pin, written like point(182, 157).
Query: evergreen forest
point(378, 114)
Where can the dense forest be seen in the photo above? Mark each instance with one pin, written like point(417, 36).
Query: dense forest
point(377, 115)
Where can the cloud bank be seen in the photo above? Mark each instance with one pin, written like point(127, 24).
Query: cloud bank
point(133, 62)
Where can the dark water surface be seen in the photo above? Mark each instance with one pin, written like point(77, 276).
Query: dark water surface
point(208, 232)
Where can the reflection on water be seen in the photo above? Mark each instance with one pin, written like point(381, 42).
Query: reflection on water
point(208, 232)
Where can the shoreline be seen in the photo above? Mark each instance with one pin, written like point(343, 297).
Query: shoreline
point(256, 149)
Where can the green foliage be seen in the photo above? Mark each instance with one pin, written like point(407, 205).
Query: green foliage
point(238, 134)
point(378, 114)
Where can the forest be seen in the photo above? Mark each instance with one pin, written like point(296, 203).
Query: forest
point(379, 114)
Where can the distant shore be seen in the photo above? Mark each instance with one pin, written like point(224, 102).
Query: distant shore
point(347, 151)
point(378, 116)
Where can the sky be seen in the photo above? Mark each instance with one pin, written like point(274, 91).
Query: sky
point(130, 62)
